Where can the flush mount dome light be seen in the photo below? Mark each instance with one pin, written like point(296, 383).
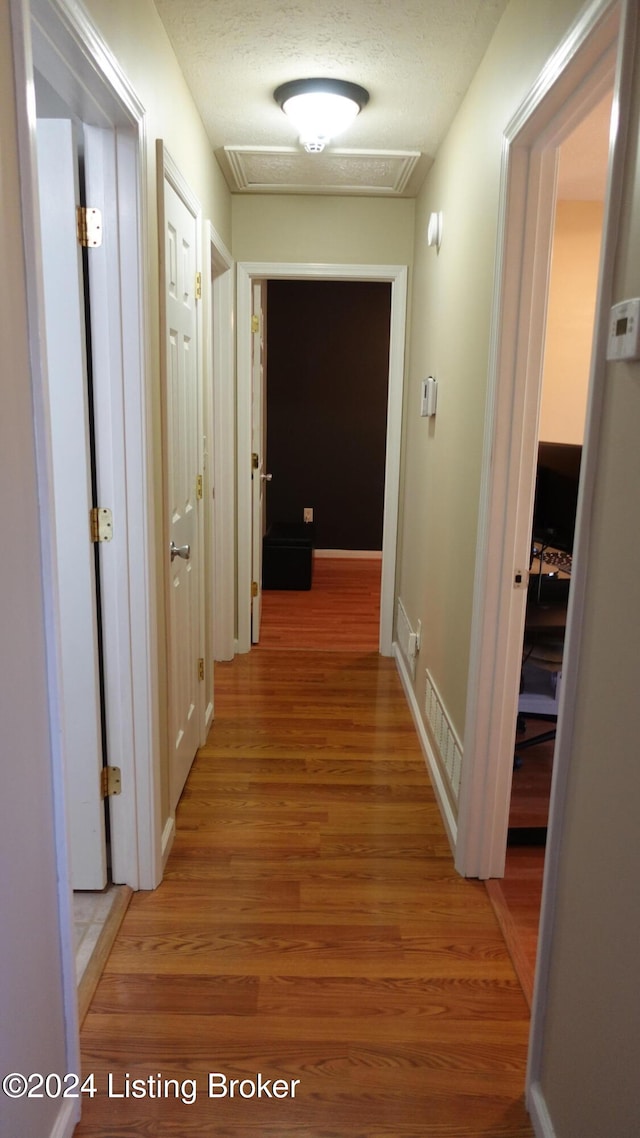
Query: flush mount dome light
point(320, 108)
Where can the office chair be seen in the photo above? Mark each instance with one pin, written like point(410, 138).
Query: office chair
point(539, 684)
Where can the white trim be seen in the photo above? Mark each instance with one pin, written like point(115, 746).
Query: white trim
point(435, 774)
point(540, 1118)
point(627, 15)
point(67, 1120)
point(77, 62)
point(74, 49)
point(26, 130)
point(349, 554)
point(571, 83)
point(220, 428)
point(168, 837)
point(209, 714)
point(396, 275)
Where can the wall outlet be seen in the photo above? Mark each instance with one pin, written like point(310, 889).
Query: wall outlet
point(308, 514)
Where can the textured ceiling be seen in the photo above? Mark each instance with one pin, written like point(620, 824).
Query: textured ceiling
point(415, 57)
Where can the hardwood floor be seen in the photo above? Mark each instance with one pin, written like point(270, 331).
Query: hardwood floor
point(341, 612)
point(531, 785)
point(516, 900)
point(516, 897)
point(310, 927)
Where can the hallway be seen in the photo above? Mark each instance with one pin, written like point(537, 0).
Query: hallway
point(310, 927)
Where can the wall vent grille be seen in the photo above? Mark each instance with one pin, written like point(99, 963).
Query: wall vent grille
point(444, 736)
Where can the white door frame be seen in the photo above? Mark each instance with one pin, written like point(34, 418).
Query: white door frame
point(78, 64)
point(576, 77)
point(219, 411)
point(258, 448)
point(396, 275)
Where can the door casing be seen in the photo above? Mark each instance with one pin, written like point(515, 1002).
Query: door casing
point(576, 78)
point(596, 54)
point(219, 412)
point(57, 37)
point(396, 275)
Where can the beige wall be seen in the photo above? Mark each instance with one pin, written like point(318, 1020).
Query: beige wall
point(572, 302)
point(137, 38)
point(592, 1031)
point(326, 230)
point(451, 318)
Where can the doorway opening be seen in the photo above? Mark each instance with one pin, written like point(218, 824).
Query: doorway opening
point(569, 327)
point(248, 276)
point(575, 80)
point(83, 92)
point(67, 151)
point(326, 377)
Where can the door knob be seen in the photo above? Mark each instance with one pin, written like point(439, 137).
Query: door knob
point(183, 551)
point(266, 477)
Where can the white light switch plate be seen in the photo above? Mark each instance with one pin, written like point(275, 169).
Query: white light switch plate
point(428, 396)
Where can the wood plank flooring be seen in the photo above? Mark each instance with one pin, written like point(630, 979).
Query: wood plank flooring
point(341, 612)
point(531, 784)
point(310, 927)
point(516, 897)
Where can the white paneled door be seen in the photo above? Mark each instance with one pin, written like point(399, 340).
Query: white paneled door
point(69, 408)
point(182, 484)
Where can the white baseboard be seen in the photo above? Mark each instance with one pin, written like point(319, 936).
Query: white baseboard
point(67, 1120)
point(537, 1107)
point(442, 798)
point(362, 554)
point(208, 718)
point(168, 834)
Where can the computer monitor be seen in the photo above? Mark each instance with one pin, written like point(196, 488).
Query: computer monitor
point(556, 500)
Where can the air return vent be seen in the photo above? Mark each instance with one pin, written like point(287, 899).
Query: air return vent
point(444, 736)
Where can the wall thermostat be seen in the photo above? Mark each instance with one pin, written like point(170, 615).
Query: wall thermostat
point(428, 396)
point(624, 331)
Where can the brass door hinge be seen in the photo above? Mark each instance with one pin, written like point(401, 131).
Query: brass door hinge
point(198, 289)
point(200, 669)
point(254, 588)
point(110, 781)
point(89, 224)
point(199, 486)
point(255, 323)
point(101, 522)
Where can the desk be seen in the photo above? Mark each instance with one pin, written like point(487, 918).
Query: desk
point(561, 562)
point(549, 577)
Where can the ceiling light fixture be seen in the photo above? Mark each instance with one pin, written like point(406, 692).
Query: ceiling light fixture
point(320, 108)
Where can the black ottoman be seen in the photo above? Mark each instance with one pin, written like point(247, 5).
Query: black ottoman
point(287, 556)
